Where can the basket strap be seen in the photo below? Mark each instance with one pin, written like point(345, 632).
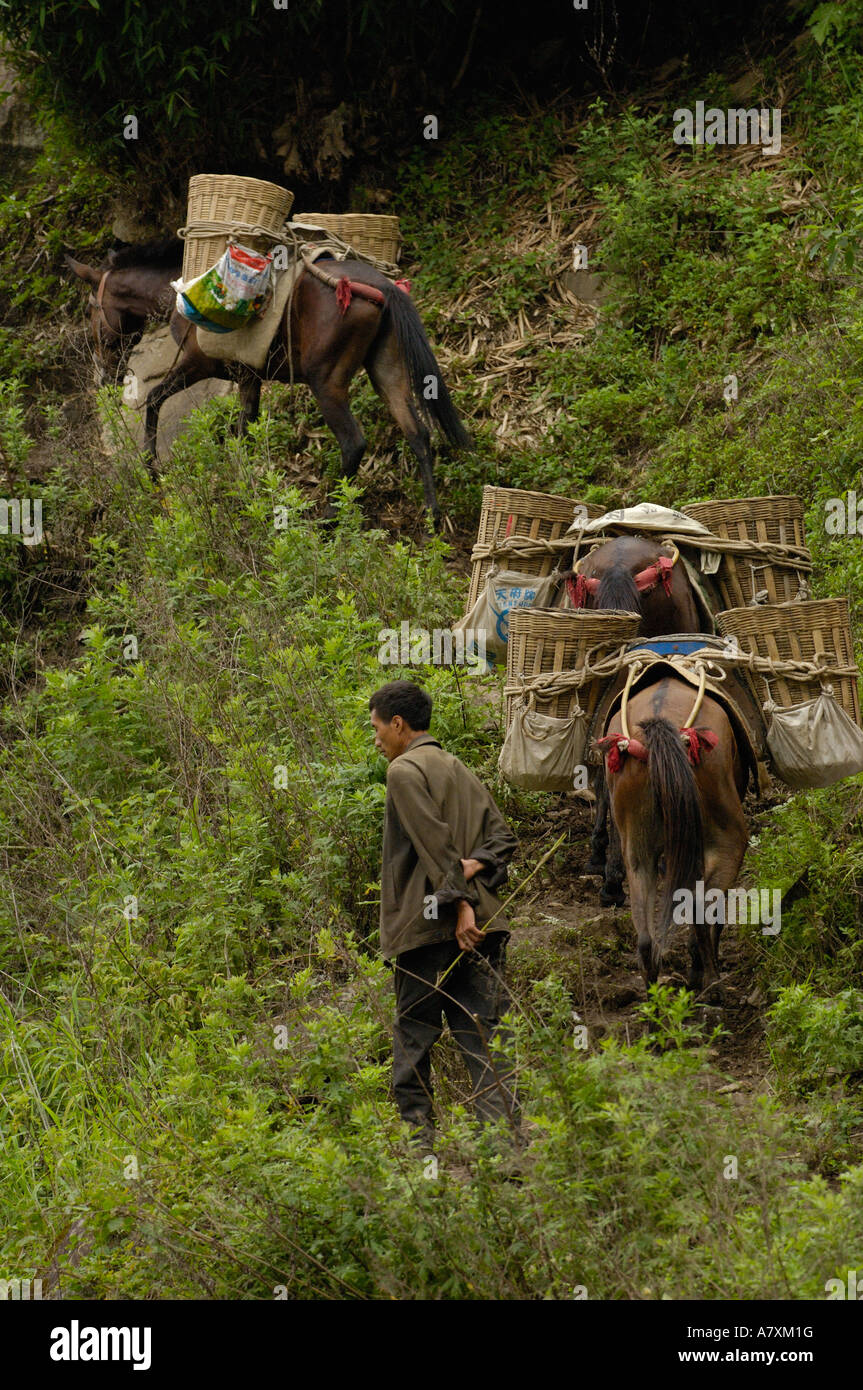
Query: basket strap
point(229, 229)
point(774, 552)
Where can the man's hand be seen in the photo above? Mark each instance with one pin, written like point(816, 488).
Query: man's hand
point(467, 933)
point(471, 867)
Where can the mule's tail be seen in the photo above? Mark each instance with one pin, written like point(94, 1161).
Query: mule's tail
point(429, 389)
point(677, 802)
point(617, 589)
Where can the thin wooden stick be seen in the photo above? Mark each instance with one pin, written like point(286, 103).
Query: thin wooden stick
point(525, 881)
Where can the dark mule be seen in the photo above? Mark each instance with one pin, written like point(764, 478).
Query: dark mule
point(628, 573)
point(676, 812)
point(320, 346)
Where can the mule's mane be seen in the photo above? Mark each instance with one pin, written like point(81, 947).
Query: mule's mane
point(162, 252)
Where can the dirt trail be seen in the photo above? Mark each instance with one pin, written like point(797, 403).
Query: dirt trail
point(561, 928)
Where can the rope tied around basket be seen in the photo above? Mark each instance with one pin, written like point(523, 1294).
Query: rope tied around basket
point(346, 250)
point(818, 669)
point(547, 685)
point(531, 696)
point(522, 547)
point(229, 229)
point(518, 547)
point(797, 556)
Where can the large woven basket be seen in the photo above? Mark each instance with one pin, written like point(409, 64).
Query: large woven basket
point(240, 206)
point(797, 632)
point(775, 520)
point(372, 234)
point(547, 640)
point(510, 512)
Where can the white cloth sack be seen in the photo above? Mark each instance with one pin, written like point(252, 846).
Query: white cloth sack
point(815, 743)
point(649, 516)
point(503, 591)
point(542, 751)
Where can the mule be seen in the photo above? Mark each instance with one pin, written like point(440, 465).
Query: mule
point(628, 573)
point(316, 344)
point(676, 808)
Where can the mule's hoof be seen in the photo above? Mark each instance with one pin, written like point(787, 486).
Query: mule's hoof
point(612, 899)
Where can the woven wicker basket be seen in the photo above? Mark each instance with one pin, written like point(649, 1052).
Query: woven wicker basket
point(236, 203)
point(508, 512)
point(546, 640)
point(778, 520)
point(797, 632)
point(372, 234)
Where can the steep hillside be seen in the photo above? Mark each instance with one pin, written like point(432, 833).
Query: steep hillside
point(194, 1043)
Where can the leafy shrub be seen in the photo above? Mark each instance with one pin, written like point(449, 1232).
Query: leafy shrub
point(816, 1039)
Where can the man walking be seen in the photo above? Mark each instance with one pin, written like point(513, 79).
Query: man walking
point(445, 851)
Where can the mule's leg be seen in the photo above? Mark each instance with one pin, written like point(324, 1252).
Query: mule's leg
point(695, 981)
point(611, 893)
point(389, 377)
point(636, 839)
point(327, 349)
point(249, 387)
point(726, 836)
point(331, 395)
point(599, 837)
point(179, 378)
point(641, 879)
point(722, 860)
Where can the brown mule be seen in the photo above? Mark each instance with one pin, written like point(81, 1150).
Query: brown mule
point(627, 573)
point(670, 811)
point(320, 346)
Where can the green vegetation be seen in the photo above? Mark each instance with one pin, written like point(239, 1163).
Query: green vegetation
point(194, 1023)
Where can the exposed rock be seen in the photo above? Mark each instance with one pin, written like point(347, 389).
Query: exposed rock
point(18, 127)
point(128, 224)
point(147, 364)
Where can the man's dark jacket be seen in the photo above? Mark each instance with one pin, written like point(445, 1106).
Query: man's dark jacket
point(437, 813)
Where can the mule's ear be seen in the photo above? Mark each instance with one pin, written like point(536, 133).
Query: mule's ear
point(84, 272)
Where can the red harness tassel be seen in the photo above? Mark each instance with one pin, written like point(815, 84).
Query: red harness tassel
point(344, 294)
point(696, 740)
point(616, 748)
point(647, 579)
point(666, 564)
point(579, 589)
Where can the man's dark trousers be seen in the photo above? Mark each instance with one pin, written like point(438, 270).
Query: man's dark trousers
point(474, 988)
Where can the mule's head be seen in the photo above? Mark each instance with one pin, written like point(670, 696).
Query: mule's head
point(620, 574)
point(608, 573)
point(119, 307)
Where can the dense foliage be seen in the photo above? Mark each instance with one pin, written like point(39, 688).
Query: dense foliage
point(193, 1017)
point(316, 85)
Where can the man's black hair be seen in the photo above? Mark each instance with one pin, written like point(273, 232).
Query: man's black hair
point(405, 698)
